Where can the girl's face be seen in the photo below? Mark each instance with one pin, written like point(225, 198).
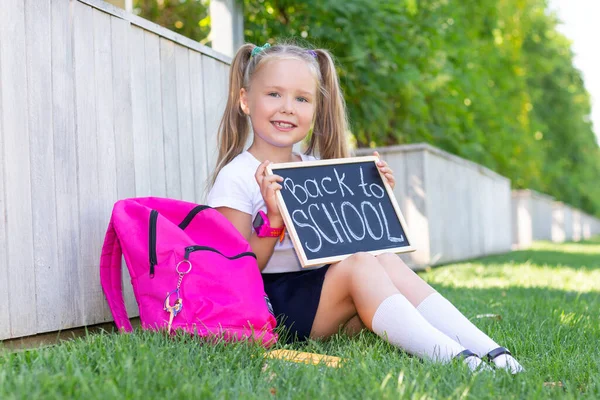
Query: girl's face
point(281, 102)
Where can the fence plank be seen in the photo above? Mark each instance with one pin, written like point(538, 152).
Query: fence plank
point(4, 295)
point(154, 115)
point(87, 158)
point(124, 155)
point(107, 171)
point(21, 272)
point(215, 99)
point(184, 123)
point(141, 143)
point(121, 83)
point(65, 163)
point(39, 95)
point(198, 127)
point(169, 111)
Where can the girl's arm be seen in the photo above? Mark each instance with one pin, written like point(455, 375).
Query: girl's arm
point(262, 247)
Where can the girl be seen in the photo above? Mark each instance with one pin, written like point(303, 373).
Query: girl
point(285, 92)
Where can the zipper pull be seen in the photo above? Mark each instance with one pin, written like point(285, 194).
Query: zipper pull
point(151, 270)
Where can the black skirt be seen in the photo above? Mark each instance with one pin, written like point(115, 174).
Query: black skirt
point(295, 297)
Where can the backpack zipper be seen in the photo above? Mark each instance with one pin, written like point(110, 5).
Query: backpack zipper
point(186, 221)
point(152, 244)
point(191, 249)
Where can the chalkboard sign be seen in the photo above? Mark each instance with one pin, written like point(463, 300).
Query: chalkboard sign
point(335, 208)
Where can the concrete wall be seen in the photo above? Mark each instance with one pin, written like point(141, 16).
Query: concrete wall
point(522, 218)
point(96, 104)
point(562, 222)
point(455, 209)
point(537, 216)
point(590, 226)
point(542, 206)
point(534, 217)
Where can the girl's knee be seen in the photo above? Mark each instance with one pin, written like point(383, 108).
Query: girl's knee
point(391, 260)
point(362, 259)
point(356, 261)
point(364, 265)
point(361, 263)
point(355, 267)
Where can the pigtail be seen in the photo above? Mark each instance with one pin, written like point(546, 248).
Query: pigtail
point(331, 124)
point(234, 127)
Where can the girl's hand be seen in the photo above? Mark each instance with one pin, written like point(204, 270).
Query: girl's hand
point(268, 186)
point(385, 170)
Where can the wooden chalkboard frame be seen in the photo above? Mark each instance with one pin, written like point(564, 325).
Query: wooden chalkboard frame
point(304, 261)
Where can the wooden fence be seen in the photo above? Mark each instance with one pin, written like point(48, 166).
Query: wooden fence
point(95, 105)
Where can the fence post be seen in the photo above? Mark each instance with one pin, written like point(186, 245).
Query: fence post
point(227, 26)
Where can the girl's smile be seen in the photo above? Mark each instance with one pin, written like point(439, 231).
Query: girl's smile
point(283, 126)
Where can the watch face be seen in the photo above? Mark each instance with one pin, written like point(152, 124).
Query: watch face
point(258, 221)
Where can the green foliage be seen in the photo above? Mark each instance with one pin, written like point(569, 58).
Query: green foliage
point(490, 81)
point(187, 17)
point(561, 115)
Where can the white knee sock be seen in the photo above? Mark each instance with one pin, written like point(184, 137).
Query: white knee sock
point(398, 321)
point(445, 317)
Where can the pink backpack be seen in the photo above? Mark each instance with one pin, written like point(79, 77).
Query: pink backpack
point(190, 269)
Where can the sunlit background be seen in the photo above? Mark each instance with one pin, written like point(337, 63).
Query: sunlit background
point(508, 84)
point(580, 24)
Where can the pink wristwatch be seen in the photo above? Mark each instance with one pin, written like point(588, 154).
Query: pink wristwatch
point(263, 227)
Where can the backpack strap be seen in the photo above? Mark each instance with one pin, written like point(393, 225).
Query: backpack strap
point(110, 278)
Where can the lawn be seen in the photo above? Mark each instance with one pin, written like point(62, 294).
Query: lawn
point(543, 304)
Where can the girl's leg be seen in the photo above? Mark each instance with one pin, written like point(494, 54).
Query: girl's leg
point(353, 326)
point(441, 313)
point(360, 285)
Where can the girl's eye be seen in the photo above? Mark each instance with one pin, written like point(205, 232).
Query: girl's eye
point(274, 94)
point(302, 99)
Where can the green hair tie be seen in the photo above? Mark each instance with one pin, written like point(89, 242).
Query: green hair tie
point(258, 49)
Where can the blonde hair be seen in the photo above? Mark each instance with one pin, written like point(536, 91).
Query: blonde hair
point(328, 138)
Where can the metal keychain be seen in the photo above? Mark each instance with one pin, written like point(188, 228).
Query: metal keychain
point(173, 310)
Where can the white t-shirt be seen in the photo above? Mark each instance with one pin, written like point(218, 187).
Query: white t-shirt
point(236, 187)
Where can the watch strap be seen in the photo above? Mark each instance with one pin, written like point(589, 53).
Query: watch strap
point(265, 230)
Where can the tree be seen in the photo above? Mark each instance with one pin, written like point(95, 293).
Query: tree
point(187, 17)
point(492, 82)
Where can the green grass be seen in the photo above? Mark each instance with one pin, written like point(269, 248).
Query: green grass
point(548, 298)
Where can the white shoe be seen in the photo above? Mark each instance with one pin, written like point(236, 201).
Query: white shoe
point(502, 359)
